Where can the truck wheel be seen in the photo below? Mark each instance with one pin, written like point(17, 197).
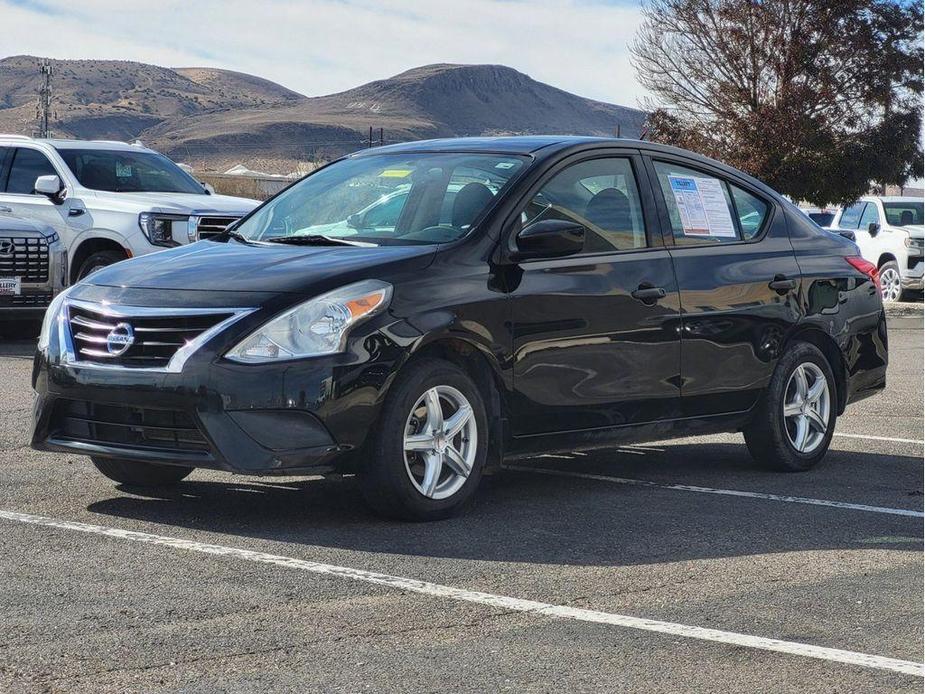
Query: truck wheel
point(137, 474)
point(794, 423)
point(429, 446)
point(891, 283)
point(98, 260)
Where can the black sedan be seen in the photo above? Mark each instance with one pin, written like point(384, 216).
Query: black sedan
point(416, 314)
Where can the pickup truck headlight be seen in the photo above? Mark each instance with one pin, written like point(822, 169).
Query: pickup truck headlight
point(914, 246)
point(159, 227)
point(318, 326)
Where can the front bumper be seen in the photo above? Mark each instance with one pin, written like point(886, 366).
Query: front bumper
point(301, 417)
point(912, 276)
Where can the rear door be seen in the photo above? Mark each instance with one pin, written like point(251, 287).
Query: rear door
point(595, 335)
point(738, 280)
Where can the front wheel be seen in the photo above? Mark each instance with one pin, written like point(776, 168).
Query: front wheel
point(137, 474)
point(430, 445)
point(793, 426)
point(97, 261)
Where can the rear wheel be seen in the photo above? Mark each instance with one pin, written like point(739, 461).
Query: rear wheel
point(429, 446)
point(793, 426)
point(137, 474)
point(97, 261)
point(891, 282)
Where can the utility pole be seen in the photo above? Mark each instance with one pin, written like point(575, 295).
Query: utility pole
point(369, 142)
point(381, 140)
point(43, 111)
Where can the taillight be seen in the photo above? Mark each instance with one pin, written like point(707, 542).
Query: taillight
point(865, 266)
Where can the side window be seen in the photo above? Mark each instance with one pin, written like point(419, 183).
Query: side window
point(699, 206)
point(599, 194)
point(850, 216)
point(870, 216)
point(752, 211)
point(5, 154)
point(28, 164)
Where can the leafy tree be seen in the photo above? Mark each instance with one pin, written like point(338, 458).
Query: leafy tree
point(818, 98)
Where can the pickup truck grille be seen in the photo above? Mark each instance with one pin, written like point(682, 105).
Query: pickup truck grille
point(151, 340)
point(213, 226)
point(24, 257)
point(124, 425)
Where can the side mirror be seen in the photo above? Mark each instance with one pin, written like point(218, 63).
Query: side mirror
point(848, 234)
point(207, 187)
point(549, 238)
point(50, 186)
point(873, 228)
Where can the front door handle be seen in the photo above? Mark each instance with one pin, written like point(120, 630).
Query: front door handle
point(648, 294)
point(6, 209)
point(782, 284)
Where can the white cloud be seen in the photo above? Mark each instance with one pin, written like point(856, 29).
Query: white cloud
point(324, 46)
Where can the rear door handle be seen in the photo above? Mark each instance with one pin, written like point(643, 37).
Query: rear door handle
point(782, 284)
point(646, 293)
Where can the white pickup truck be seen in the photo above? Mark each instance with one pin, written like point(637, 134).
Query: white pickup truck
point(888, 231)
point(108, 201)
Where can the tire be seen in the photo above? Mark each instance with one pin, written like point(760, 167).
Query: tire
point(137, 474)
point(891, 287)
point(401, 484)
point(97, 261)
point(772, 437)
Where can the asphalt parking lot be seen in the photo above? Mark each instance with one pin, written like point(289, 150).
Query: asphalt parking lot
point(665, 567)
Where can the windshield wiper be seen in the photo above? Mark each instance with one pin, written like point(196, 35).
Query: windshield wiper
point(229, 234)
point(318, 240)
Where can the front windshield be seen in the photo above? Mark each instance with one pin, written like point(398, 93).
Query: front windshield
point(124, 171)
point(903, 214)
point(386, 199)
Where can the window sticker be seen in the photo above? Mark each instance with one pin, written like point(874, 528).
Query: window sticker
point(123, 170)
point(395, 173)
point(702, 206)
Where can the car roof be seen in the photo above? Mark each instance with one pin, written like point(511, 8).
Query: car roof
point(513, 144)
point(61, 143)
point(547, 145)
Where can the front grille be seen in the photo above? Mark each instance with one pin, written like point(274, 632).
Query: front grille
point(124, 425)
point(155, 339)
point(27, 258)
point(26, 300)
point(213, 226)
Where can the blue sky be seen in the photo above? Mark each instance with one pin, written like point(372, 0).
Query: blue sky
point(324, 46)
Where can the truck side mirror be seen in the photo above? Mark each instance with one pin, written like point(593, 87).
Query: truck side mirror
point(873, 228)
point(50, 186)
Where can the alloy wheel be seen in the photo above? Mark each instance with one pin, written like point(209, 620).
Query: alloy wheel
point(890, 284)
point(807, 404)
point(440, 442)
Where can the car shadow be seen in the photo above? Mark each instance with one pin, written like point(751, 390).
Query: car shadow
point(535, 518)
point(18, 348)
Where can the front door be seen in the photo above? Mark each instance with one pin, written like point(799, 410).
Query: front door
point(17, 196)
point(595, 335)
point(739, 283)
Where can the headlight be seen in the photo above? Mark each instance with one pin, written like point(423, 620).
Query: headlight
point(52, 316)
point(914, 245)
point(318, 326)
point(159, 227)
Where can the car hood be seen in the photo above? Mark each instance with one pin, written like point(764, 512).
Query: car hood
point(175, 203)
point(233, 266)
point(915, 231)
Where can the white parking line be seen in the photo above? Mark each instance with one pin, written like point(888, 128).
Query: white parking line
point(723, 492)
point(879, 438)
point(731, 638)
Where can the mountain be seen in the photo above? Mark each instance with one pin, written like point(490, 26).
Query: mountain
point(214, 118)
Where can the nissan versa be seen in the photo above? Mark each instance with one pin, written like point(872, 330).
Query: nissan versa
point(417, 313)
